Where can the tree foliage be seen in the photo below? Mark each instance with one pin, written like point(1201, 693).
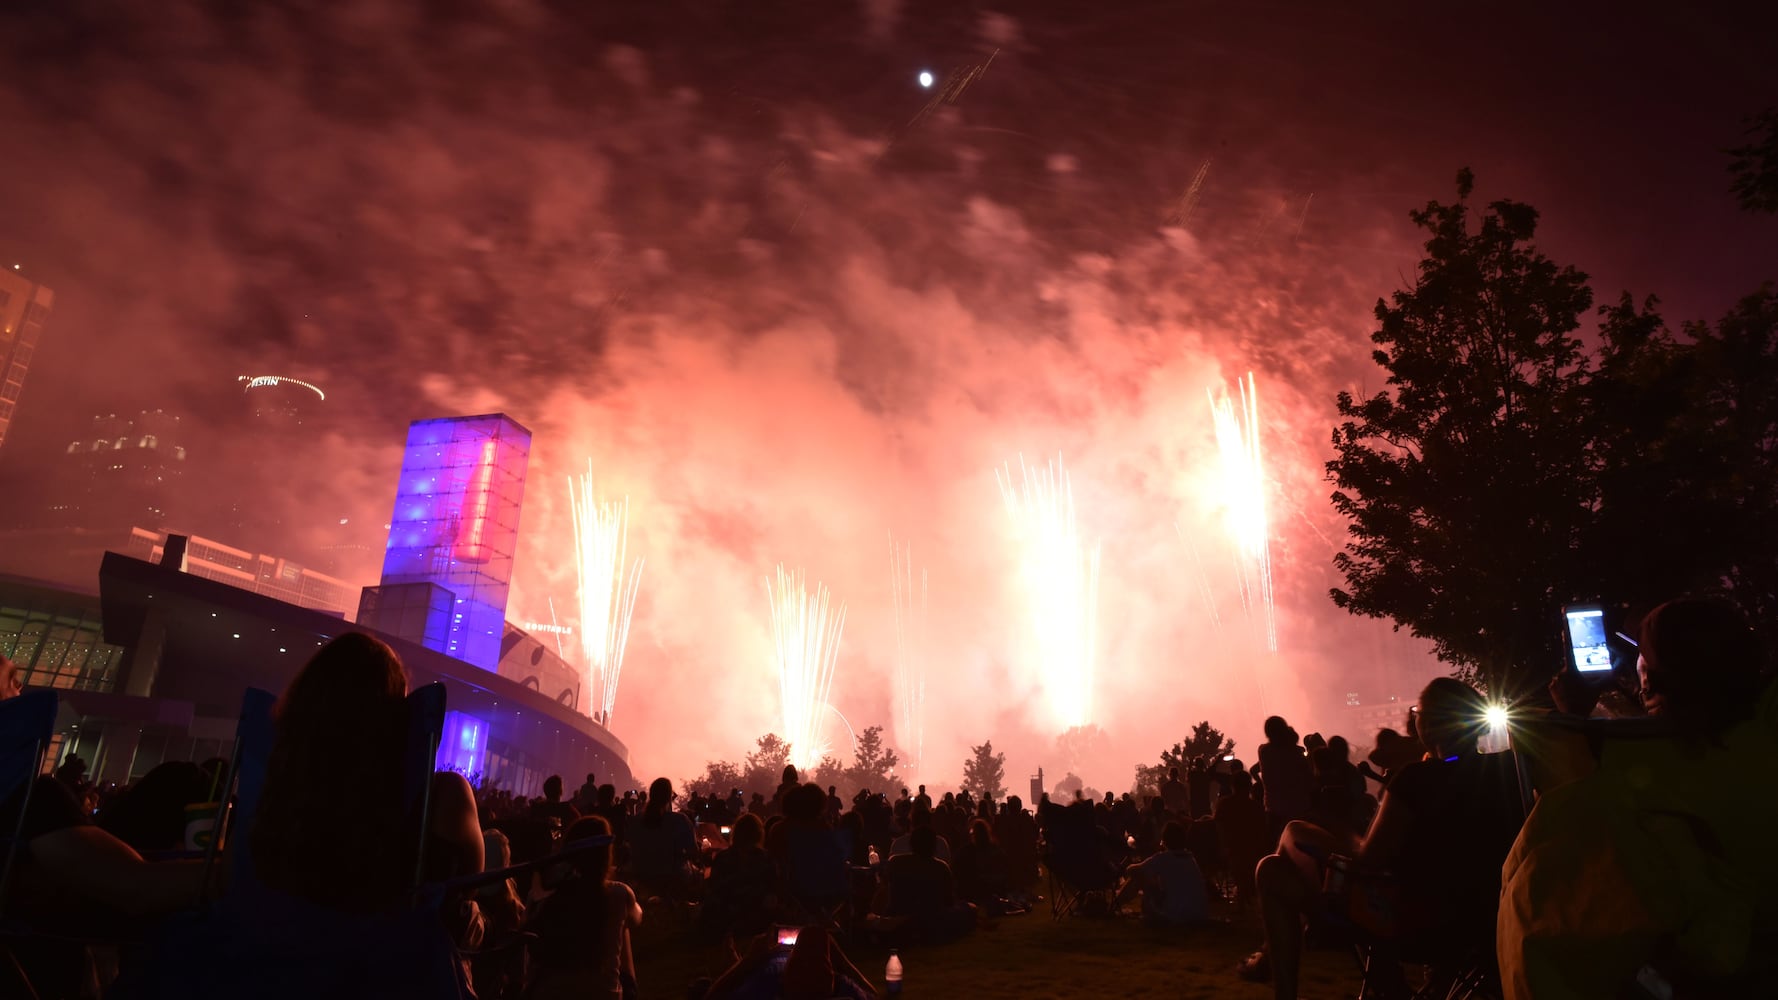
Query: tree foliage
point(719, 777)
point(1505, 471)
point(830, 772)
point(1754, 167)
point(1688, 489)
point(1205, 742)
point(1078, 745)
point(765, 765)
point(984, 773)
point(873, 761)
point(763, 768)
point(1063, 792)
point(1465, 482)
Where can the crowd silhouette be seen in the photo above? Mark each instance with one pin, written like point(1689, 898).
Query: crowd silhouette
point(1419, 856)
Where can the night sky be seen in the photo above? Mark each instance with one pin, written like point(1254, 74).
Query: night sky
point(726, 251)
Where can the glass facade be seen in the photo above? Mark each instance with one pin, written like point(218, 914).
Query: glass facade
point(463, 747)
point(456, 523)
point(418, 612)
point(56, 640)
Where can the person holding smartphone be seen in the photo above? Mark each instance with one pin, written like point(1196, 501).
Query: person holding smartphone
point(1647, 859)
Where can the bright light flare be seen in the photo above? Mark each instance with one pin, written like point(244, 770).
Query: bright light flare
point(926, 79)
point(1497, 737)
point(1060, 573)
point(607, 587)
point(1242, 485)
point(806, 630)
point(910, 653)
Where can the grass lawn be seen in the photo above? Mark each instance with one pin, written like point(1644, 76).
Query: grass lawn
point(1034, 956)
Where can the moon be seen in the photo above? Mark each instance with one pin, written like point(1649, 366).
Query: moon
point(926, 78)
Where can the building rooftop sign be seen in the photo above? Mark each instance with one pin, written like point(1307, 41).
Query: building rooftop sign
point(262, 381)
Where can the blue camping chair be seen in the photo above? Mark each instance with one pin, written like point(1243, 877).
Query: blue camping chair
point(258, 942)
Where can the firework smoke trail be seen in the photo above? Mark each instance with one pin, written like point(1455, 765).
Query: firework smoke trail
point(607, 587)
point(1244, 498)
point(806, 632)
point(1061, 578)
point(910, 653)
point(1199, 576)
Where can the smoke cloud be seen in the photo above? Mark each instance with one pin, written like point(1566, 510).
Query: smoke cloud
point(734, 256)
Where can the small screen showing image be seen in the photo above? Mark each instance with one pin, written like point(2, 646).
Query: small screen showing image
point(1586, 638)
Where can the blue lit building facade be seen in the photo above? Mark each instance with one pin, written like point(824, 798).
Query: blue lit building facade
point(453, 535)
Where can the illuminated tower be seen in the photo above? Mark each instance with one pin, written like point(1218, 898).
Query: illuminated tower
point(452, 536)
point(24, 306)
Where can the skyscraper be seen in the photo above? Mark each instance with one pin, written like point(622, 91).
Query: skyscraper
point(24, 307)
point(452, 536)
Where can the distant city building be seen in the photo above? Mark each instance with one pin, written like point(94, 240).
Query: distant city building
point(277, 401)
point(267, 575)
point(1363, 720)
point(126, 471)
point(24, 308)
point(454, 530)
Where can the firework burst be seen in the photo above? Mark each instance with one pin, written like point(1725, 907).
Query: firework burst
point(1242, 487)
point(1060, 573)
point(806, 630)
point(910, 652)
point(607, 589)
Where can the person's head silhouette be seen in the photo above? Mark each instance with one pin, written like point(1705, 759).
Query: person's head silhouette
point(1700, 665)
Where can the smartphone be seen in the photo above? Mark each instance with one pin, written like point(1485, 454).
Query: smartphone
point(726, 831)
point(787, 937)
point(1587, 640)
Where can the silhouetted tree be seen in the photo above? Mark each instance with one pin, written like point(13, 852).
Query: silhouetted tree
point(1754, 166)
point(984, 773)
point(718, 778)
point(1205, 741)
point(872, 761)
point(1064, 791)
point(831, 772)
point(1467, 482)
point(1688, 486)
point(1077, 744)
point(765, 765)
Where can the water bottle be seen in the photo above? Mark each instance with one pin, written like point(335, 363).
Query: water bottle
point(892, 975)
point(874, 860)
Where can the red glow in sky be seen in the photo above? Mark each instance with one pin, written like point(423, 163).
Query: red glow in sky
point(790, 302)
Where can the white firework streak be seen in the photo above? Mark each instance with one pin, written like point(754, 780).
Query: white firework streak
point(1244, 499)
point(607, 586)
point(1061, 577)
point(910, 653)
point(806, 632)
